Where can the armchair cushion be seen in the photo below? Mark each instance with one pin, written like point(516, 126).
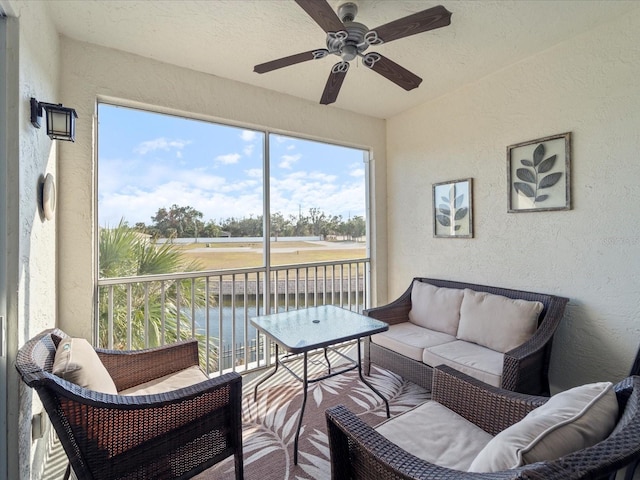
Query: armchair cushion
point(183, 378)
point(568, 422)
point(497, 322)
point(77, 362)
point(436, 434)
point(436, 308)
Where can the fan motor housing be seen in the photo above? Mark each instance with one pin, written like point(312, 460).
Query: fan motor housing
point(351, 46)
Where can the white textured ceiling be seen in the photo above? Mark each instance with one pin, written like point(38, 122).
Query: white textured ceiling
point(227, 38)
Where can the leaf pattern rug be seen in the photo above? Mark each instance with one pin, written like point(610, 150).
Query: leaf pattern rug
point(269, 423)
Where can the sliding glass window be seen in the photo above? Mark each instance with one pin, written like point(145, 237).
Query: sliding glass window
point(183, 249)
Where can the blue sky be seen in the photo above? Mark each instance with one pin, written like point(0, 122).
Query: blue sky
point(147, 161)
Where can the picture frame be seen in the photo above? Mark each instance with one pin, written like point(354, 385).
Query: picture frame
point(453, 209)
point(539, 174)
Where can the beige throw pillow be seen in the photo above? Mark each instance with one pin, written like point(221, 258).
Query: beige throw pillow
point(497, 322)
point(569, 421)
point(436, 308)
point(76, 361)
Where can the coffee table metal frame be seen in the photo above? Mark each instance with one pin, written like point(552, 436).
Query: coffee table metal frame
point(312, 322)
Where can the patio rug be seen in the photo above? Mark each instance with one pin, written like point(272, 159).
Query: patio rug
point(269, 424)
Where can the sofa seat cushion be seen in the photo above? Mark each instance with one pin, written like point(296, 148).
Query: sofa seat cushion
point(436, 308)
point(497, 322)
point(570, 421)
point(436, 434)
point(410, 340)
point(474, 360)
point(174, 381)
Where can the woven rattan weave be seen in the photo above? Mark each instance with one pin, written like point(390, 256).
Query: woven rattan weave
point(525, 368)
point(176, 434)
point(359, 452)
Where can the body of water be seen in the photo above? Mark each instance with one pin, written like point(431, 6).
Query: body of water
point(235, 317)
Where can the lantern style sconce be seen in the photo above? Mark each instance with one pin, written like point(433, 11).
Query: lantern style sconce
point(61, 121)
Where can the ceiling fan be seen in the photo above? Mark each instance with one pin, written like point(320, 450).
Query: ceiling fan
point(349, 39)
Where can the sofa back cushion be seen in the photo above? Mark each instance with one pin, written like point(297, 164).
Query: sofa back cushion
point(436, 308)
point(497, 322)
point(77, 362)
point(568, 422)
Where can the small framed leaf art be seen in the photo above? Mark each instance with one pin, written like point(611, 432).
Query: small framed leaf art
point(538, 174)
point(452, 209)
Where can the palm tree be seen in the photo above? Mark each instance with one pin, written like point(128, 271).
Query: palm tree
point(149, 313)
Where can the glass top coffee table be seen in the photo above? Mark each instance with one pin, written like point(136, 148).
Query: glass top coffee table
point(301, 331)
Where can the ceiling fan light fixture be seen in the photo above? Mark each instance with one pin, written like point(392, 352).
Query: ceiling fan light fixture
point(349, 52)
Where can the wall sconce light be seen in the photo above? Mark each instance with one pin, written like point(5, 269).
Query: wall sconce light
point(61, 121)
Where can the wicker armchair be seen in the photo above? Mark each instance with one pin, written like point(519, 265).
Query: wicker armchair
point(635, 370)
point(360, 452)
point(176, 434)
point(525, 368)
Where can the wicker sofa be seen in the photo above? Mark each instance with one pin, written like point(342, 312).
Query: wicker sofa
point(359, 451)
point(144, 414)
point(521, 367)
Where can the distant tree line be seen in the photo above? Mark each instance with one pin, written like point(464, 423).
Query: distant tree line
point(187, 222)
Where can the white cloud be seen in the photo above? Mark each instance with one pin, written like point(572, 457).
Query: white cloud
point(160, 144)
point(287, 161)
point(228, 159)
point(248, 135)
point(323, 177)
point(254, 173)
point(302, 190)
point(200, 180)
point(215, 197)
point(248, 150)
point(239, 186)
point(218, 198)
point(130, 189)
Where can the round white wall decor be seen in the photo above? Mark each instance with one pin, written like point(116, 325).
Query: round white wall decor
point(48, 196)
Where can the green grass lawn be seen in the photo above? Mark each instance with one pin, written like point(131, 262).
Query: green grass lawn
point(212, 258)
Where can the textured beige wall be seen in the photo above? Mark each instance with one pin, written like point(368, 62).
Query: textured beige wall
point(31, 241)
point(591, 254)
point(90, 73)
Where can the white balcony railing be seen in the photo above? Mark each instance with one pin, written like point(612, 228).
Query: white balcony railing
point(216, 307)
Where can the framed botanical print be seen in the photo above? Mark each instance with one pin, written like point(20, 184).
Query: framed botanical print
point(538, 174)
point(452, 209)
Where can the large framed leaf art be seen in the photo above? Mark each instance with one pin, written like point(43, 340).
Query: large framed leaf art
point(452, 209)
point(538, 174)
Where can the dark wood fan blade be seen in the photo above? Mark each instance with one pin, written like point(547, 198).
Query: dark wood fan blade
point(323, 14)
point(334, 83)
point(290, 60)
point(429, 19)
point(392, 71)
